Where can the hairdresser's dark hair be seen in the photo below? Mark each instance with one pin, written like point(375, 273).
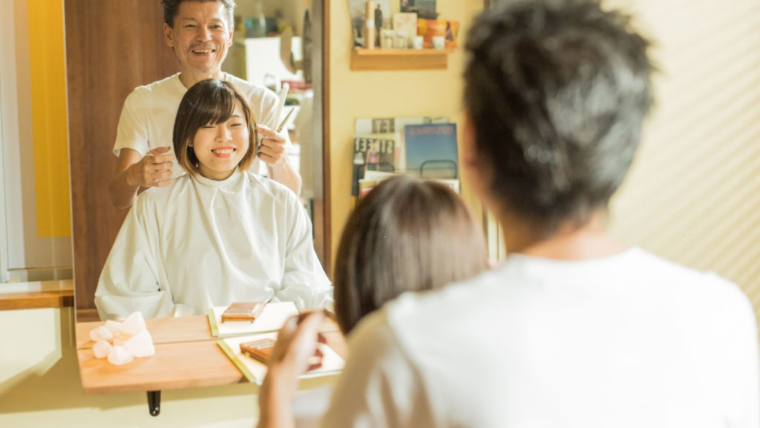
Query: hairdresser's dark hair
point(405, 235)
point(209, 101)
point(557, 91)
point(171, 9)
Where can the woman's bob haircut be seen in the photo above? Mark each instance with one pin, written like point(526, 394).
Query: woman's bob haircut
point(209, 101)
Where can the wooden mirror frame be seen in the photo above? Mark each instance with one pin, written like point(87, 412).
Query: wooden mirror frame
point(111, 48)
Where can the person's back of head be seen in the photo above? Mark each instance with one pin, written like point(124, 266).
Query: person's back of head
point(556, 92)
point(405, 235)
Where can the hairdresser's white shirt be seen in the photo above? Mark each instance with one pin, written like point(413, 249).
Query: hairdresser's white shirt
point(201, 243)
point(147, 118)
point(626, 341)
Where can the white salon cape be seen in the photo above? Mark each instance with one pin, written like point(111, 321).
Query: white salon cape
point(200, 243)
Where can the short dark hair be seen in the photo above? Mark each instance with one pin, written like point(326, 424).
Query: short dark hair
point(171, 9)
point(209, 101)
point(557, 91)
point(405, 235)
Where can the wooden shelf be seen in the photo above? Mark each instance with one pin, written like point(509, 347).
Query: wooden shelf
point(36, 295)
point(399, 59)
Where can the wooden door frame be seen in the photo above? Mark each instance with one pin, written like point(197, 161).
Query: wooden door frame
point(325, 58)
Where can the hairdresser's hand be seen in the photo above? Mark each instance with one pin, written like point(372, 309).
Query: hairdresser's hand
point(295, 345)
point(272, 149)
point(153, 170)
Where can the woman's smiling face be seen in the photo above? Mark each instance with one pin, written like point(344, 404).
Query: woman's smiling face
point(220, 147)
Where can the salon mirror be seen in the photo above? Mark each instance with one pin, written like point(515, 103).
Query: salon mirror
point(114, 46)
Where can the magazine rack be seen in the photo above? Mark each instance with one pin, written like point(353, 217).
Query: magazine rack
point(433, 165)
point(399, 59)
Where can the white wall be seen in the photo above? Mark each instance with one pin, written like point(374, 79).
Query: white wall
point(693, 194)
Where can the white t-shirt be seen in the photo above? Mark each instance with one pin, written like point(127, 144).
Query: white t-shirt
point(201, 243)
point(147, 119)
point(630, 340)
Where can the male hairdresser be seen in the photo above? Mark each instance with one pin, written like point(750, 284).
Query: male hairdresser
point(574, 329)
point(200, 33)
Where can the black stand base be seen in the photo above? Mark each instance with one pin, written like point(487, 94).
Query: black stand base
point(154, 402)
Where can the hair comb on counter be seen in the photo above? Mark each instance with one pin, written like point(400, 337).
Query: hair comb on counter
point(243, 311)
point(261, 351)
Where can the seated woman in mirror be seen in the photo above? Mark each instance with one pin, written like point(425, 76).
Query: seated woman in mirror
point(220, 234)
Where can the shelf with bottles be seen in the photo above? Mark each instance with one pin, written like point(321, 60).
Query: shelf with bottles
point(378, 59)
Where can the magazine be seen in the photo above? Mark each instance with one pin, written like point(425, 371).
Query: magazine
point(372, 152)
point(395, 125)
point(431, 151)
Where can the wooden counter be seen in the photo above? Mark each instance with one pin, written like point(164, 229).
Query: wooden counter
point(163, 330)
point(36, 295)
point(175, 365)
point(187, 355)
point(175, 330)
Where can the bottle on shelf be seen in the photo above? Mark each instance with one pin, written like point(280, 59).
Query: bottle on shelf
point(369, 25)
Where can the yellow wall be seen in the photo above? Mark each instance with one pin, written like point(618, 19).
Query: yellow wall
point(49, 120)
point(385, 94)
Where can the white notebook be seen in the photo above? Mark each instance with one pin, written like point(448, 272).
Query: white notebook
point(255, 371)
point(272, 318)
